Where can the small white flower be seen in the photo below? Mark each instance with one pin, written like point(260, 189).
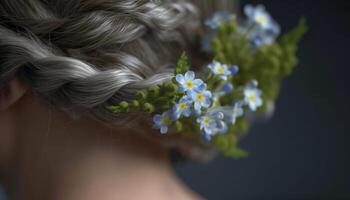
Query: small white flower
point(252, 97)
point(260, 16)
point(183, 107)
point(212, 124)
point(220, 69)
point(188, 82)
point(201, 98)
point(266, 30)
point(162, 122)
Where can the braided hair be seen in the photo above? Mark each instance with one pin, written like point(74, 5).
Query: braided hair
point(87, 54)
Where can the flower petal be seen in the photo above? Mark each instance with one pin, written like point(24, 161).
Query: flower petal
point(219, 116)
point(198, 82)
point(187, 112)
point(163, 129)
point(189, 75)
point(223, 77)
point(206, 137)
point(197, 108)
point(157, 119)
point(208, 94)
point(180, 78)
point(249, 10)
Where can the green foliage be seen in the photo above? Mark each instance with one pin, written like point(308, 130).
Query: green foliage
point(295, 35)
point(268, 64)
point(157, 98)
point(182, 65)
point(227, 144)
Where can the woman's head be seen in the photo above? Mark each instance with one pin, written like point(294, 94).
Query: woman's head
point(84, 55)
point(79, 56)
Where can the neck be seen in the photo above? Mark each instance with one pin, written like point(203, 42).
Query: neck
point(59, 158)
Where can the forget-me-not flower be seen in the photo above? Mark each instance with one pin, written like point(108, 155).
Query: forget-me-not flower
point(235, 112)
point(266, 31)
point(162, 121)
point(252, 96)
point(188, 82)
point(220, 69)
point(211, 124)
point(260, 16)
point(201, 97)
point(183, 107)
point(215, 21)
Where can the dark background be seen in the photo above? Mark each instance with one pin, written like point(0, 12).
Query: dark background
point(302, 152)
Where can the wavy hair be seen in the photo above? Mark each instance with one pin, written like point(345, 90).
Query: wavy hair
point(87, 54)
point(83, 55)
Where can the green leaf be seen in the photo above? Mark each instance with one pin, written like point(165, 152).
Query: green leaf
point(236, 153)
point(293, 37)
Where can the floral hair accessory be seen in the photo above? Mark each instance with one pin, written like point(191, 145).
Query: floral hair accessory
point(243, 79)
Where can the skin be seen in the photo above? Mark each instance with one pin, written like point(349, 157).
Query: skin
point(45, 154)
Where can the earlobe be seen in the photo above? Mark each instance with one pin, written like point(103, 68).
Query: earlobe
point(11, 93)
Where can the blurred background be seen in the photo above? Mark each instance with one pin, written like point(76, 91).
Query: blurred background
point(302, 152)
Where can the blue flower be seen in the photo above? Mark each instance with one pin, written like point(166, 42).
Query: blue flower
point(220, 70)
point(162, 122)
point(261, 17)
point(187, 81)
point(266, 31)
point(215, 21)
point(183, 107)
point(212, 124)
point(201, 98)
point(235, 112)
point(252, 96)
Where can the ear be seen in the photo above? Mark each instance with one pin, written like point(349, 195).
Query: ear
point(11, 93)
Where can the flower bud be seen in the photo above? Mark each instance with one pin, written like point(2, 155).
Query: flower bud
point(141, 95)
point(149, 108)
point(153, 91)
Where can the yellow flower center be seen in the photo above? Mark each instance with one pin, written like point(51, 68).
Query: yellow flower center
point(261, 20)
point(220, 69)
point(200, 97)
point(189, 84)
point(206, 120)
point(182, 106)
point(165, 120)
point(235, 110)
point(251, 98)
